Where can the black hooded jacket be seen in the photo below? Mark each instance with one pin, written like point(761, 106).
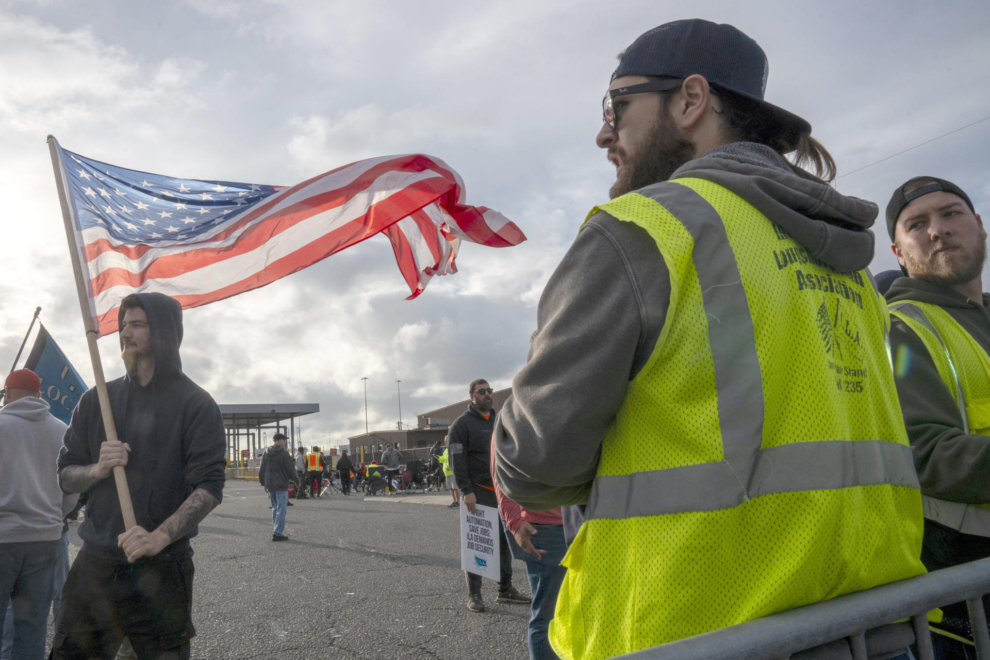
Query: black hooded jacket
point(277, 469)
point(175, 432)
point(470, 441)
point(344, 466)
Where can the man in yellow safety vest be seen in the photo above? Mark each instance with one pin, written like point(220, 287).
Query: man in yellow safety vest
point(940, 342)
point(709, 374)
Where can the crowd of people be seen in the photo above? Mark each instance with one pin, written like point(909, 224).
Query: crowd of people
point(709, 428)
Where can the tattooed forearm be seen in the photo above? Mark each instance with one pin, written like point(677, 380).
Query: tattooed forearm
point(77, 478)
point(188, 515)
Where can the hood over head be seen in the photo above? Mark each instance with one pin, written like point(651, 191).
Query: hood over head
point(31, 408)
point(834, 228)
point(165, 322)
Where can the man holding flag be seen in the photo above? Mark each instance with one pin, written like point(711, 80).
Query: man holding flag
point(173, 453)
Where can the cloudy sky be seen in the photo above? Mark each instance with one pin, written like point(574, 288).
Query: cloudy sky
point(507, 93)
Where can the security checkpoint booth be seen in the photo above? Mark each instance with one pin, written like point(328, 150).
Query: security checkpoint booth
point(250, 427)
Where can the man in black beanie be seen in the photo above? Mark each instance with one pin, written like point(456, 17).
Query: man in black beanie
point(940, 341)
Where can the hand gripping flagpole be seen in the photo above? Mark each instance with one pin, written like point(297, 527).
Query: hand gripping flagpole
point(119, 476)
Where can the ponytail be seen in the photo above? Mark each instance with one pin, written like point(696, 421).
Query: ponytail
point(809, 151)
point(745, 122)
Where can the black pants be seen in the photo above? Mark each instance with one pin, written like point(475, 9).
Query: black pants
point(345, 484)
point(149, 602)
point(315, 481)
point(487, 498)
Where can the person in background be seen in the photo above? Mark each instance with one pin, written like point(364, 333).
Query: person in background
point(392, 459)
point(375, 478)
point(436, 451)
point(275, 474)
point(301, 474)
point(709, 373)
point(32, 512)
point(448, 474)
point(470, 441)
point(940, 343)
point(536, 538)
point(315, 467)
point(344, 467)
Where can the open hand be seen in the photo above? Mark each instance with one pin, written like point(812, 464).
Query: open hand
point(523, 538)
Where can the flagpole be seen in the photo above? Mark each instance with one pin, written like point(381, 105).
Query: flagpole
point(21, 349)
point(26, 334)
point(119, 476)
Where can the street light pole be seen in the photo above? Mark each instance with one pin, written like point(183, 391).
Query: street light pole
point(398, 388)
point(365, 379)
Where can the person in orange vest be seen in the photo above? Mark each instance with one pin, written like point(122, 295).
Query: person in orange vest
point(314, 471)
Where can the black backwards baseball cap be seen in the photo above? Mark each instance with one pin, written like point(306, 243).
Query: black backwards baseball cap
point(279, 436)
point(728, 59)
point(929, 184)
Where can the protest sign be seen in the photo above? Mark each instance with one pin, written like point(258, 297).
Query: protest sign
point(479, 541)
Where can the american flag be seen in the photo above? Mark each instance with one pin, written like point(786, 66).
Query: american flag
point(201, 241)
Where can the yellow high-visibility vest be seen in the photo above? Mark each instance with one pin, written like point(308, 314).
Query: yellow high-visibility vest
point(448, 467)
point(759, 460)
point(964, 367)
point(313, 462)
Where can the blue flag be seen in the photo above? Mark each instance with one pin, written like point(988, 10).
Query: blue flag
point(61, 384)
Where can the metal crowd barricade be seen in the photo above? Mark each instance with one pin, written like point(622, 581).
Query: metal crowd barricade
point(847, 617)
point(249, 474)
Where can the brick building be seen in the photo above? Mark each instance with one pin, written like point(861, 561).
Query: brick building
point(430, 427)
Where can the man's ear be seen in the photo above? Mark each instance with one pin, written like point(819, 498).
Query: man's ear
point(897, 253)
point(692, 100)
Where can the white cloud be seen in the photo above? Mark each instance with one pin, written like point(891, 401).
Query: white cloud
point(506, 93)
point(52, 79)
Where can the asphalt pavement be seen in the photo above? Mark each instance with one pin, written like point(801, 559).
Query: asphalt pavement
point(359, 578)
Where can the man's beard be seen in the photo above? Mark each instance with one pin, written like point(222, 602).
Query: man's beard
point(949, 272)
point(667, 151)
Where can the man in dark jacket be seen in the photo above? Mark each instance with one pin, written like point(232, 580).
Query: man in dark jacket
point(344, 468)
point(172, 449)
point(276, 472)
point(470, 440)
point(940, 242)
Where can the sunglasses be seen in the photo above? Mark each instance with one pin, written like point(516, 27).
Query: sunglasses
point(610, 117)
point(484, 390)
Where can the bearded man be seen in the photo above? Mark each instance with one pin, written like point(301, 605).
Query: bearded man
point(940, 340)
point(137, 583)
point(709, 373)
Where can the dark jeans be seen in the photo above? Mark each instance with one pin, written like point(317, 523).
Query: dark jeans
point(27, 573)
point(315, 482)
point(487, 498)
point(545, 577)
point(149, 602)
point(345, 485)
point(391, 475)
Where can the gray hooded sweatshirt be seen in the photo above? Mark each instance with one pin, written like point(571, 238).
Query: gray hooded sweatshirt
point(32, 505)
point(602, 311)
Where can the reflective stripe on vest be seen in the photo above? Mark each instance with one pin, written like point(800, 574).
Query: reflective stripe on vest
point(313, 461)
point(758, 461)
point(964, 518)
point(746, 471)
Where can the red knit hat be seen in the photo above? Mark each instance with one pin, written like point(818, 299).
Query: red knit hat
point(23, 379)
